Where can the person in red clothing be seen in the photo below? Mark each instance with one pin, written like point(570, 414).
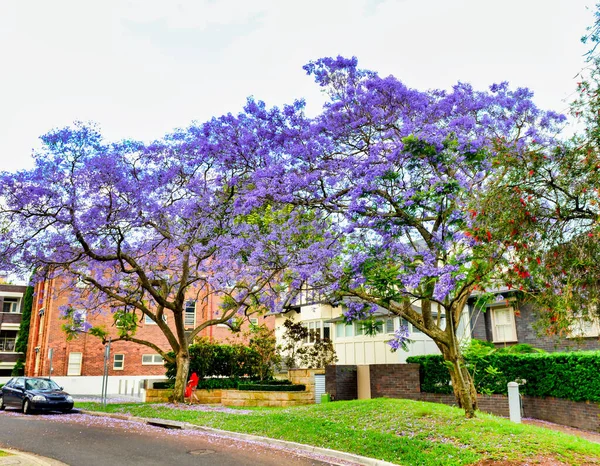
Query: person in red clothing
point(190, 388)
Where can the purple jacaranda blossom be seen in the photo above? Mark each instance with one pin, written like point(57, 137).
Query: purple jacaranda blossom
point(400, 339)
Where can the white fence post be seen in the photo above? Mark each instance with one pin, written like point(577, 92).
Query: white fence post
point(514, 402)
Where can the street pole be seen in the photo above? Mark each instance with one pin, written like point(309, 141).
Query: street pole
point(105, 375)
point(50, 354)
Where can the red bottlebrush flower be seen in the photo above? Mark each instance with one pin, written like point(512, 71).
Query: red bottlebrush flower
point(517, 313)
point(539, 261)
point(591, 235)
point(522, 201)
point(489, 235)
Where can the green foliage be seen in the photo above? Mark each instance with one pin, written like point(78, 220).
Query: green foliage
point(212, 383)
point(295, 353)
point(268, 387)
point(21, 345)
point(126, 323)
point(264, 344)
point(572, 376)
point(217, 360)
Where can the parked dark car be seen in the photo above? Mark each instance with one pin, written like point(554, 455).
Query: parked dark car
point(35, 393)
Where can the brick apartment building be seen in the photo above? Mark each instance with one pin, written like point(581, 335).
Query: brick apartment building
point(503, 324)
point(84, 355)
point(11, 303)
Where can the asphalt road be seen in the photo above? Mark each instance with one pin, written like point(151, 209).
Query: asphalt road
point(82, 440)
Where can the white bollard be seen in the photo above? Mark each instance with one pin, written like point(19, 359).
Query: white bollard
point(514, 402)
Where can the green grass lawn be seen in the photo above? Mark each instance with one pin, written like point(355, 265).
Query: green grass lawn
point(399, 431)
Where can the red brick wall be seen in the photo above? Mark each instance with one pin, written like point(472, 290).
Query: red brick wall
point(341, 382)
point(394, 380)
point(46, 332)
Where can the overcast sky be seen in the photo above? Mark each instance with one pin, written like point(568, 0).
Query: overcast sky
point(140, 68)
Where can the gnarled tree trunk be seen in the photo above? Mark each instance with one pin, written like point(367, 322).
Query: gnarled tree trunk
point(462, 382)
point(183, 367)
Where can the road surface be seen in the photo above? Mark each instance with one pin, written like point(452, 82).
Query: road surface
point(83, 440)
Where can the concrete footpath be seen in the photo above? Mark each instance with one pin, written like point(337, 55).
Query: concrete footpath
point(26, 459)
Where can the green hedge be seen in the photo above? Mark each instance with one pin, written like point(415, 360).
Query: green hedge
point(271, 388)
point(572, 376)
point(216, 360)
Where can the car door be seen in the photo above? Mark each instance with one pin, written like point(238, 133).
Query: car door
point(10, 393)
point(17, 392)
point(7, 392)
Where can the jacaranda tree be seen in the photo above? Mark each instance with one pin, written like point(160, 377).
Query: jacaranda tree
point(399, 173)
point(145, 228)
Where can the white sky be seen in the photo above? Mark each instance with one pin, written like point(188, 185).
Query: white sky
point(141, 68)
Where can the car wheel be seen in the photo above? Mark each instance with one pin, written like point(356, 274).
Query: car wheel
point(27, 407)
point(2, 405)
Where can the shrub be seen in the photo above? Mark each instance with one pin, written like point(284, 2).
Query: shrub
point(271, 388)
point(209, 359)
point(572, 376)
point(295, 353)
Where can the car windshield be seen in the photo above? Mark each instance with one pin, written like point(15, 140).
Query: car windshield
point(40, 384)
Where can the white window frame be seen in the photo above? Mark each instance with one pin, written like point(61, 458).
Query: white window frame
point(253, 321)
point(120, 362)
point(149, 321)
point(186, 314)
point(74, 363)
point(16, 305)
point(156, 359)
point(512, 338)
point(581, 327)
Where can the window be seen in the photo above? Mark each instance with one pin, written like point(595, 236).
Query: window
point(503, 324)
point(359, 329)
point(11, 305)
point(254, 321)
point(584, 327)
point(326, 331)
point(344, 330)
point(8, 339)
point(80, 319)
point(74, 367)
point(118, 362)
point(314, 331)
point(148, 359)
point(189, 318)
point(389, 325)
point(148, 320)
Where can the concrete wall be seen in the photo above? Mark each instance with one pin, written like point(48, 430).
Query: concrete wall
point(256, 398)
point(92, 385)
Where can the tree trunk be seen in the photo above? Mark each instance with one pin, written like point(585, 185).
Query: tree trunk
point(183, 367)
point(462, 382)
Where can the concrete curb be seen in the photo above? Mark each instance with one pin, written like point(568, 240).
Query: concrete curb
point(27, 459)
point(300, 447)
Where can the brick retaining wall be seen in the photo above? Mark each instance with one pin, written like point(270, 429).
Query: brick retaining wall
point(341, 382)
point(258, 398)
point(403, 381)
